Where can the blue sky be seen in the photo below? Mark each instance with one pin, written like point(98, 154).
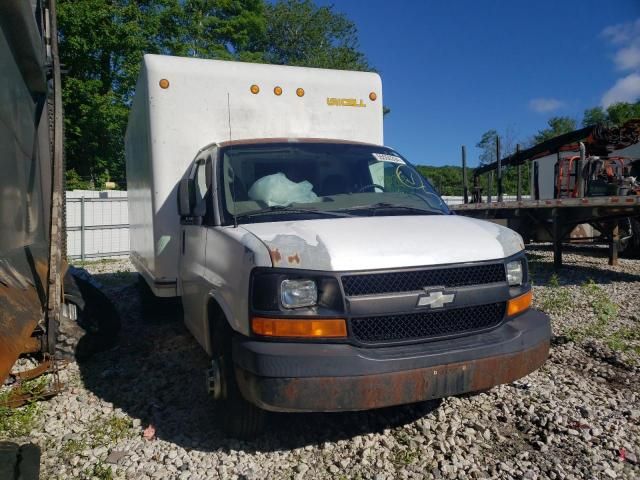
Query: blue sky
point(453, 69)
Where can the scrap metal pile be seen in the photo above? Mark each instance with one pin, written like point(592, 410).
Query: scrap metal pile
point(598, 139)
point(604, 140)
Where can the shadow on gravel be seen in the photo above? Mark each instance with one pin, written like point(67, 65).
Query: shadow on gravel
point(541, 267)
point(156, 374)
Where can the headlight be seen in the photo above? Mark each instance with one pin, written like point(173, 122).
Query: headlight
point(298, 293)
point(514, 272)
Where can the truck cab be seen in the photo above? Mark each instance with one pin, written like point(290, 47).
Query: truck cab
point(323, 273)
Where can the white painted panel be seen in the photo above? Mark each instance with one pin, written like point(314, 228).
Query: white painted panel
point(210, 101)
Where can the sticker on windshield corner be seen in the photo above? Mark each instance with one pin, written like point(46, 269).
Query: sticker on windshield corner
point(384, 157)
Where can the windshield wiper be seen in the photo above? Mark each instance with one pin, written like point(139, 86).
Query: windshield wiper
point(393, 206)
point(289, 209)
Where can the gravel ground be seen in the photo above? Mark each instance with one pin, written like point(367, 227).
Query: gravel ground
point(576, 417)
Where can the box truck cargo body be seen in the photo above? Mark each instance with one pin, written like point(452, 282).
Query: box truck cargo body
point(315, 265)
point(207, 101)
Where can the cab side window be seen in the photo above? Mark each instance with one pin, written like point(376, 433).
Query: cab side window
point(202, 188)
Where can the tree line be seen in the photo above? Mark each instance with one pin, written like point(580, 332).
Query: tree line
point(102, 43)
point(448, 179)
point(616, 114)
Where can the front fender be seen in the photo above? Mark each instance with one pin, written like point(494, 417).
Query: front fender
point(232, 253)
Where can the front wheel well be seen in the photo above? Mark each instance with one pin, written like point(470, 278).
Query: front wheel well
point(219, 328)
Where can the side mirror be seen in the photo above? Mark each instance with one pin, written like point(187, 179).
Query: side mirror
point(186, 197)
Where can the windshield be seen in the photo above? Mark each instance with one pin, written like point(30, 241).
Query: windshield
point(280, 181)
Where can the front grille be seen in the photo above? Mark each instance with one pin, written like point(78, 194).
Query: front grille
point(410, 281)
point(425, 324)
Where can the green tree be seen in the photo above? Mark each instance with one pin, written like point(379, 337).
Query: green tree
point(222, 29)
point(557, 126)
point(102, 44)
point(448, 179)
point(593, 116)
point(487, 146)
point(301, 33)
point(620, 113)
point(615, 115)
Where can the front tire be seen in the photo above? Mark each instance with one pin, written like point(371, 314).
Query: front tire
point(241, 418)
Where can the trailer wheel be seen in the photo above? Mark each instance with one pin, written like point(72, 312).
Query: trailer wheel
point(241, 419)
point(634, 241)
point(631, 247)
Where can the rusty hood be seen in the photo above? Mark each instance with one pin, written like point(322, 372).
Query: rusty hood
point(366, 243)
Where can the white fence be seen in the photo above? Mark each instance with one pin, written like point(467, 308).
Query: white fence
point(98, 223)
point(451, 200)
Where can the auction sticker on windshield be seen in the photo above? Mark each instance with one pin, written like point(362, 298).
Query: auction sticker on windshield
point(385, 157)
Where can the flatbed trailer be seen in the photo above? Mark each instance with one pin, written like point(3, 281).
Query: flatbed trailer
point(556, 219)
point(559, 217)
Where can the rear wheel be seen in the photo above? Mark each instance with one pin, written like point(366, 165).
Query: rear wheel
point(631, 248)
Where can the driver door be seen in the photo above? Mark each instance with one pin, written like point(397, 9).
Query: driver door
point(193, 286)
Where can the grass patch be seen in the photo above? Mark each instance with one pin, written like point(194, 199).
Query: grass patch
point(18, 422)
point(602, 306)
point(73, 447)
point(101, 432)
point(405, 456)
point(604, 310)
point(625, 339)
point(106, 431)
point(95, 261)
point(555, 298)
point(99, 471)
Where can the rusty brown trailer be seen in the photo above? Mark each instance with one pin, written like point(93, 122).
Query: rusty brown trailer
point(31, 196)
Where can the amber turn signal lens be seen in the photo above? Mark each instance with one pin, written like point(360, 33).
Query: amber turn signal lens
point(373, 96)
point(519, 304)
point(164, 83)
point(255, 89)
point(284, 327)
point(277, 90)
point(300, 92)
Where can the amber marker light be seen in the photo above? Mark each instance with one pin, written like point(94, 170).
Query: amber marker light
point(373, 96)
point(277, 91)
point(519, 304)
point(164, 83)
point(255, 89)
point(300, 92)
point(290, 327)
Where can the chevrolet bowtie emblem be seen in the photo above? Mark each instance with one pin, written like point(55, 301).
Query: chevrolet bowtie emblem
point(435, 299)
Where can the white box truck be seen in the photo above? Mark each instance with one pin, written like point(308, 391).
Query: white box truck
point(315, 266)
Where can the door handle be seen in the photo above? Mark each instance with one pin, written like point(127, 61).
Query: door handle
point(183, 242)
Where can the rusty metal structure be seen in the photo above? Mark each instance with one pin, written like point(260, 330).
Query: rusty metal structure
point(31, 187)
point(573, 204)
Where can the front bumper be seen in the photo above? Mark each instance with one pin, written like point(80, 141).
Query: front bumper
point(302, 377)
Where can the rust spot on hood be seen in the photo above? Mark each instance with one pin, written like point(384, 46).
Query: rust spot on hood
point(275, 255)
point(295, 258)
